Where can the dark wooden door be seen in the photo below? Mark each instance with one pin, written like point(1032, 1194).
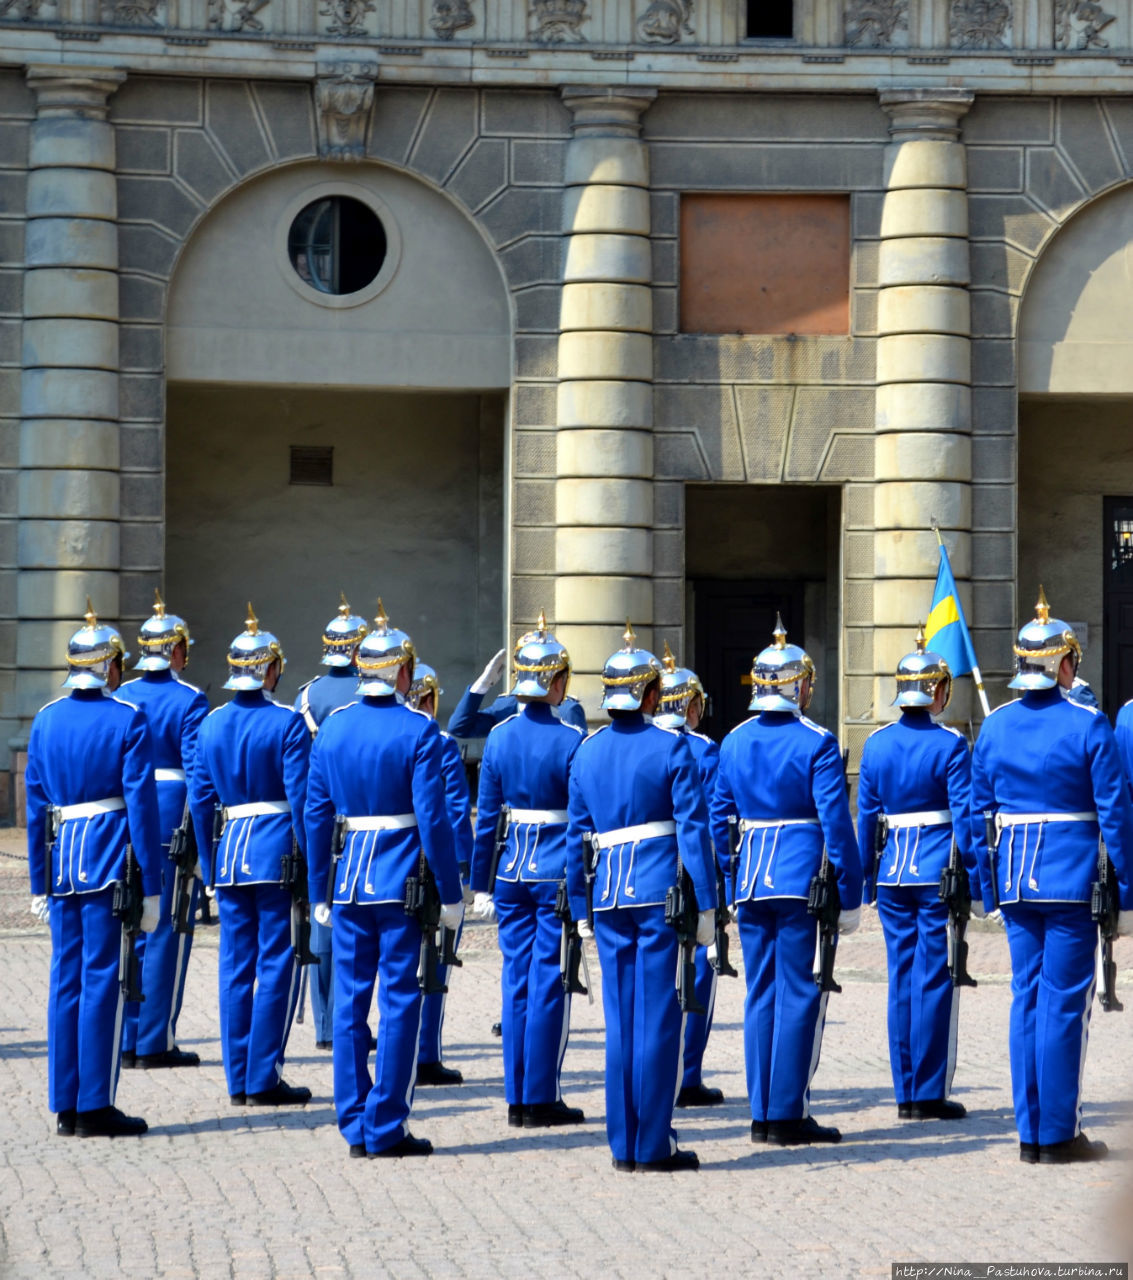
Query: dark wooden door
point(1117, 671)
point(733, 622)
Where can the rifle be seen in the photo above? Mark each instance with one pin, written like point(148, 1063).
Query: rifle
point(681, 912)
point(498, 847)
point(217, 832)
point(880, 840)
point(572, 958)
point(992, 834)
point(825, 903)
point(126, 905)
point(337, 845)
point(51, 826)
point(956, 894)
point(293, 878)
point(1104, 906)
point(720, 964)
point(589, 874)
point(184, 856)
point(438, 946)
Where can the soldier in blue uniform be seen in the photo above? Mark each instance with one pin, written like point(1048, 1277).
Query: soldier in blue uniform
point(252, 759)
point(680, 709)
point(318, 698)
point(89, 775)
point(468, 721)
point(636, 799)
point(424, 695)
point(377, 764)
point(526, 769)
point(915, 779)
point(174, 711)
point(1049, 771)
point(781, 779)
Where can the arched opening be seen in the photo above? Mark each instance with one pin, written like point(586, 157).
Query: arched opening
point(338, 355)
point(1075, 472)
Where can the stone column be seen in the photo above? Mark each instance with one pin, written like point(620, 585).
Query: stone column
point(604, 493)
point(923, 407)
point(68, 485)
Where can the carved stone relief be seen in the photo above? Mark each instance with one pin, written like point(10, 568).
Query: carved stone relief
point(133, 13)
point(557, 21)
point(449, 17)
point(348, 17)
point(874, 23)
point(980, 24)
point(665, 20)
point(344, 94)
point(22, 10)
point(235, 15)
point(1078, 24)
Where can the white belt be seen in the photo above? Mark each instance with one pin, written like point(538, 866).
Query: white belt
point(763, 824)
point(537, 817)
point(382, 822)
point(631, 835)
point(926, 818)
point(260, 809)
point(67, 812)
point(1026, 819)
point(169, 775)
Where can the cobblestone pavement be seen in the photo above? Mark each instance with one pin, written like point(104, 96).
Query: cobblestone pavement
point(210, 1191)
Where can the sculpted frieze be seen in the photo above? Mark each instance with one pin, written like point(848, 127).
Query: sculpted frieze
point(664, 21)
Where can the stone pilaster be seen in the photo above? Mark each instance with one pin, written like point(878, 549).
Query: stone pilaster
point(68, 484)
point(923, 409)
point(604, 490)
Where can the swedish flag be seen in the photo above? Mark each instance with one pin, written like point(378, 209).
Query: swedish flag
point(946, 630)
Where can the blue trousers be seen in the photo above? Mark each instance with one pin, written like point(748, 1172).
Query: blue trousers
point(784, 1012)
point(644, 1032)
point(698, 1025)
point(375, 942)
point(536, 1011)
point(259, 984)
point(151, 1027)
point(84, 1003)
point(1053, 972)
point(321, 978)
point(433, 1015)
point(924, 1006)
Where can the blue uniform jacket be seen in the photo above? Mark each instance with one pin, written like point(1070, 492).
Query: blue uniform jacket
point(911, 766)
point(92, 746)
point(174, 711)
point(778, 766)
point(248, 751)
point(468, 721)
point(318, 698)
point(526, 765)
point(707, 755)
point(458, 801)
point(1047, 754)
point(628, 773)
point(379, 758)
point(1124, 732)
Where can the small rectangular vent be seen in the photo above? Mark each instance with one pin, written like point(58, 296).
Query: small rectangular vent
point(312, 464)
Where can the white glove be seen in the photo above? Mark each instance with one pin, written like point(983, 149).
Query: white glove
point(848, 921)
point(39, 907)
point(584, 929)
point(483, 907)
point(978, 912)
point(151, 911)
point(491, 673)
point(996, 917)
point(210, 892)
point(321, 913)
point(705, 928)
point(452, 915)
point(712, 953)
point(1124, 923)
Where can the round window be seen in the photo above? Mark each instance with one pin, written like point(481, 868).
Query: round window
point(337, 245)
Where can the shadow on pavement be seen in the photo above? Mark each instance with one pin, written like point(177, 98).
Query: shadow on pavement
point(267, 1118)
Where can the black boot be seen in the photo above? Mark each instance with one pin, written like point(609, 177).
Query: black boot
point(678, 1162)
point(904, 1110)
point(408, 1146)
point(699, 1095)
point(436, 1073)
point(281, 1095)
point(168, 1058)
point(108, 1122)
point(1029, 1152)
point(796, 1133)
point(549, 1115)
point(65, 1123)
point(515, 1115)
point(939, 1109)
point(759, 1131)
point(129, 1059)
point(624, 1166)
point(1072, 1151)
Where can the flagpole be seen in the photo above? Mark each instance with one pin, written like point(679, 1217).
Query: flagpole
point(977, 676)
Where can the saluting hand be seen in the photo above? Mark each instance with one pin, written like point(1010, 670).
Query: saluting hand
point(491, 673)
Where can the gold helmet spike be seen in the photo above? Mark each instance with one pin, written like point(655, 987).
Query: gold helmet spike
point(158, 604)
point(629, 636)
point(779, 635)
point(90, 617)
point(1042, 608)
point(668, 661)
point(344, 607)
point(920, 640)
point(251, 622)
point(381, 620)
point(541, 625)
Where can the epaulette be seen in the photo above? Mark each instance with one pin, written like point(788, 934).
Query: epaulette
point(566, 724)
point(692, 733)
point(675, 732)
point(1000, 708)
point(186, 685)
point(1082, 706)
point(345, 707)
point(822, 733)
point(125, 702)
point(950, 729)
point(216, 709)
point(506, 720)
point(881, 729)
